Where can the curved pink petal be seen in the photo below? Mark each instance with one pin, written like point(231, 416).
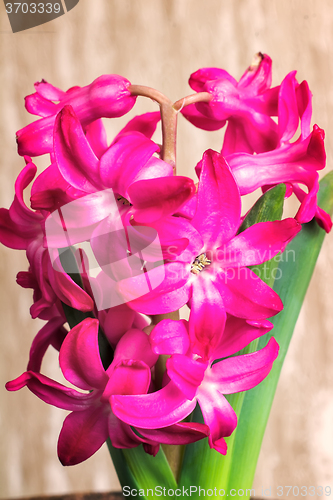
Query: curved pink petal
point(152, 411)
point(68, 291)
point(218, 220)
point(186, 373)
point(145, 124)
point(171, 294)
point(182, 433)
point(304, 103)
point(218, 414)
point(245, 295)
point(19, 212)
point(82, 434)
point(74, 156)
point(198, 79)
point(241, 373)
point(258, 243)
point(199, 120)
point(48, 91)
point(117, 321)
point(52, 333)
point(96, 136)
point(288, 108)
point(52, 392)
point(128, 377)
point(38, 105)
point(157, 198)
point(207, 318)
point(122, 162)
point(170, 337)
point(135, 345)
point(238, 333)
point(80, 359)
point(235, 139)
point(258, 76)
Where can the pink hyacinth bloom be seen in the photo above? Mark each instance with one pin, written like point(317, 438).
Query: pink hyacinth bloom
point(212, 272)
point(92, 420)
point(194, 379)
point(247, 105)
point(108, 96)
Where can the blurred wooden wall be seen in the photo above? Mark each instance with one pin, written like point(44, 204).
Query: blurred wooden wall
point(159, 43)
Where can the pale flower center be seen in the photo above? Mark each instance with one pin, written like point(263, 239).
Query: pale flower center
point(199, 263)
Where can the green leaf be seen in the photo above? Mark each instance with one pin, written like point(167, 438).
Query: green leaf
point(137, 469)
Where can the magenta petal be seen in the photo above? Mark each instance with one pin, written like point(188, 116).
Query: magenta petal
point(157, 198)
point(182, 433)
point(171, 294)
point(52, 392)
point(145, 124)
point(244, 294)
point(68, 291)
point(218, 414)
point(258, 77)
point(38, 105)
point(128, 377)
point(135, 345)
point(117, 321)
point(304, 103)
point(51, 333)
point(152, 411)
point(82, 434)
point(258, 243)
point(218, 220)
point(198, 79)
point(241, 373)
point(124, 159)
point(207, 318)
point(170, 337)
point(238, 333)
point(96, 136)
point(79, 356)
point(48, 91)
point(288, 109)
point(75, 157)
point(201, 121)
point(186, 373)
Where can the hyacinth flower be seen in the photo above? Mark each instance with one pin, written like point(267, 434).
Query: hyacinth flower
point(214, 263)
point(92, 422)
point(247, 105)
point(198, 379)
point(108, 96)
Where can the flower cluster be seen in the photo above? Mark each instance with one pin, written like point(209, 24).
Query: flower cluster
point(117, 244)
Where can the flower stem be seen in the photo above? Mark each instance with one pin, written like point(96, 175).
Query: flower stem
point(191, 99)
point(168, 118)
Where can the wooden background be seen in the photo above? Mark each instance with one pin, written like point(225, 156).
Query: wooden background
point(159, 43)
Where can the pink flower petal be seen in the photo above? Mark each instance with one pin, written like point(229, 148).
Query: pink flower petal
point(186, 373)
point(244, 294)
point(241, 373)
point(207, 318)
point(152, 411)
point(218, 220)
point(82, 434)
point(79, 357)
point(170, 337)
